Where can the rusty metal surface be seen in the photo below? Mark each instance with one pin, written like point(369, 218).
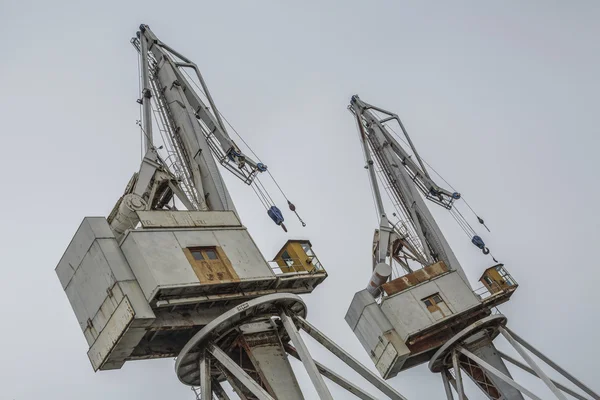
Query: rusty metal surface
point(421, 275)
point(221, 328)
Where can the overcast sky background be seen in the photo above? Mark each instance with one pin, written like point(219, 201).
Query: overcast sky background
point(501, 97)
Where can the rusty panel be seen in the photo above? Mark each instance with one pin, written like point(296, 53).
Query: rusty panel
point(421, 275)
point(436, 269)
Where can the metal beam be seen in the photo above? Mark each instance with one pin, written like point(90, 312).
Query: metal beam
point(459, 382)
point(335, 378)
point(219, 391)
point(205, 381)
point(146, 93)
point(349, 360)
point(453, 382)
point(309, 364)
point(370, 165)
point(239, 373)
point(538, 371)
point(447, 387)
point(524, 367)
point(551, 363)
point(232, 382)
point(497, 373)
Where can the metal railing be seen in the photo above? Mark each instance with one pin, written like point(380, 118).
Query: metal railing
point(484, 292)
point(295, 266)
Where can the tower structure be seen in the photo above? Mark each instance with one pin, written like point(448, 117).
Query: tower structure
point(172, 272)
point(418, 306)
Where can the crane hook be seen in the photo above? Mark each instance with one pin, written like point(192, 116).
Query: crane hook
point(478, 241)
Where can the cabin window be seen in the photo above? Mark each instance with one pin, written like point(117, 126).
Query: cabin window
point(204, 253)
point(505, 276)
point(437, 306)
point(287, 259)
point(197, 254)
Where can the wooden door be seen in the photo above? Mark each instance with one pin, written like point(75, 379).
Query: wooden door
point(211, 265)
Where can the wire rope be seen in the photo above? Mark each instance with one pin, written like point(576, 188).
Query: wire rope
point(386, 125)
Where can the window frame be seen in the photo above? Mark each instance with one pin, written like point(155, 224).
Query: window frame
point(435, 305)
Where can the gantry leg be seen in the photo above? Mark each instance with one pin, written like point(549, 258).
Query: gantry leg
point(305, 357)
point(483, 364)
point(552, 364)
point(458, 376)
point(532, 372)
point(447, 387)
point(349, 360)
point(538, 371)
point(219, 391)
point(205, 381)
point(335, 378)
point(239, 373)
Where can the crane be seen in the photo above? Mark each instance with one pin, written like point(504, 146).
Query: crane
point(172, 272)
point(426, 311)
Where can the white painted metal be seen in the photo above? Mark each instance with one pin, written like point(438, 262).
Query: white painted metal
point(101, 287)
point(147, 172)
point(524, 367)
point(551, 363)
point(157, 258)
point(126, 217)
point(348, 359)
point(539, 372)
point(447, 387)
point(453, 382)
point(370, 166)
point(489, 353)
point(111, 333)
point(219, 391)
point(376, 334)
point(239, 373)
point(335, 378)
point(146, 94)
point(307, 360)
point(488, 367)
point(205, 380)
point(264, 348)
point(188, 219)
point(194, 121)
point(407, 311)
point(457, 373)
point(402, 315)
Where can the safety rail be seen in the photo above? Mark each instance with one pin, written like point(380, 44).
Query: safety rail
point(295, 266)
point(482, 292)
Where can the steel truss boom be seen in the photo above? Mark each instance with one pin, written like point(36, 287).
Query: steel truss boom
point(194, 131)
point(420, 237)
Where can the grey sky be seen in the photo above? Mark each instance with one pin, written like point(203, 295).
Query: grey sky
point(500, 97)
